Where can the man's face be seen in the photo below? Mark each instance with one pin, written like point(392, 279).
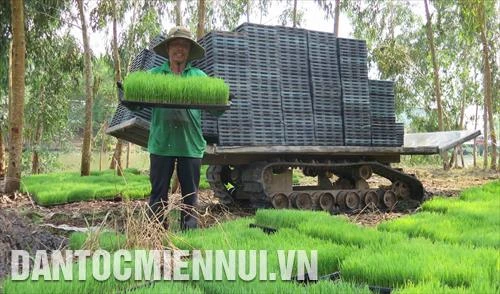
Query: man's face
point(178, 50)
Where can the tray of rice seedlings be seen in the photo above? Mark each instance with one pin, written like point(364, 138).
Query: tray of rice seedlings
point(419, 261)
point(103, 282)
point(170, 91)
point(437, 287)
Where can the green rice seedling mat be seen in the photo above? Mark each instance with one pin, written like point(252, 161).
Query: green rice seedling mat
point(169, 91)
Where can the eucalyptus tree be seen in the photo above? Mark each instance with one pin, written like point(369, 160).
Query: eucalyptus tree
point(87, 133)
point(111, 11)
point(291, 14)
point(435, 66)
point(219, 15)
point(51, 81)
point(476, 15)
point(396, 50)
point(13, 178)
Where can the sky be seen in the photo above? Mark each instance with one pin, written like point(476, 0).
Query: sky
point(313, 20)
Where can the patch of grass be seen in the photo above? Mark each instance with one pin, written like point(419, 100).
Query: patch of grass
point(59, 188)
point(171, 89)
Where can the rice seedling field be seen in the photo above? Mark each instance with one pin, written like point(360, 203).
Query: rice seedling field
point(421, 253)
point(59, 188)
point(170, 89)
point(65, 187)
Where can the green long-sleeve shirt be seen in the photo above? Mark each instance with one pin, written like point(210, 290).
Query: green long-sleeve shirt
point(176, 132)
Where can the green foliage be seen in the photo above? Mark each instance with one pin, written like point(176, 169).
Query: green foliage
point(171, 89)
point(47, 160)
point(58, 188)
point(421, 160)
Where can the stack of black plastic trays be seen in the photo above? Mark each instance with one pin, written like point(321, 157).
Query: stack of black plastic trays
point(296, 102)
point(155, 41)
point(134, 131)
point(264, 79)
point(385, 130)
point(325, 88)
point(226, 57)
point(355, 93)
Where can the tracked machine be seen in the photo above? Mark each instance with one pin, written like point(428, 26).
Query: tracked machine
point(302, 103)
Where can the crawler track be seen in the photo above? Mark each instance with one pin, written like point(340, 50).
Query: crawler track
point(269, 184)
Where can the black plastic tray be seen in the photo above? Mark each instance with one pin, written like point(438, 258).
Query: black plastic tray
point(164, 105)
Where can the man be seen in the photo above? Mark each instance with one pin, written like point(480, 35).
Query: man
point(175, 135)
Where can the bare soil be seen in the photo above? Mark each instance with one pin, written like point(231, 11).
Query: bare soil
point(25, 225)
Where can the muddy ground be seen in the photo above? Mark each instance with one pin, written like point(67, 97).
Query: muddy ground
point(25, 225)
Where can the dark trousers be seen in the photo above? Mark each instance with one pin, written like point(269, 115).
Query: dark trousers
point(160, 174)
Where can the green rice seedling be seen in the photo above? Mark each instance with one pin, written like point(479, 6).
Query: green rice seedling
point(471, 219)
point(110, 241)
point(59, 188)
point(258, 287)
point(420, 261)
point(162, 287)
point(437, 287)
point(340, 230)
point(229, 235)
point(486, 192)
point(454, 227)
point(171, 89)
point(479, 211)
point(90, 284)
point(237, 235)
point(321, 225)
point(286, 218)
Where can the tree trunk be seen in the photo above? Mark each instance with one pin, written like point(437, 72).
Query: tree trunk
point(9, 105)
point(249, 8)
point(2, 155)
point(135, 8)
point(485, 136)
point(128, 154)
point(116, 161)
point(35, 164)
point(487, 95)
point(461, 126)
point(475, 139)
point(104, 127)
point(16, 108)
point(178, 15)
point(10, 82)
point(337, 18)
point(200, 30)
point(87, 133)
point(294, 13)
point(437, 87)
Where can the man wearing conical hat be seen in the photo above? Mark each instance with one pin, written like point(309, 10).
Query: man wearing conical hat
point(175, 135)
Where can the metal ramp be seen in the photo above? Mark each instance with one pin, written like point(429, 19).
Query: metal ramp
point(435, 142)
